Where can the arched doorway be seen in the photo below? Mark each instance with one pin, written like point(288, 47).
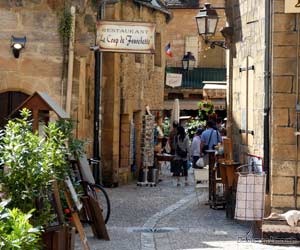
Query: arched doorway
point(9, 101)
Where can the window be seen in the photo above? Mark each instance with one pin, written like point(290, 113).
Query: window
point(196, 96)
point(157, 56)
point(9, 101)
point(172, 96)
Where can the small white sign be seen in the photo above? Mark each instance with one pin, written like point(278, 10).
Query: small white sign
point(292, 6)
point(173, 80)
point(134, 37)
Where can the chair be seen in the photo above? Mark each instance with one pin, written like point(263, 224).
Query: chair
point(201, 182)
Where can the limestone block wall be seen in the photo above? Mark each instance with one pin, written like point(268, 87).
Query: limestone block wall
point(141, 82)
point(247, 50)
point(249, 45)
point(40, 63)
point(132, 81)
point(285, 187)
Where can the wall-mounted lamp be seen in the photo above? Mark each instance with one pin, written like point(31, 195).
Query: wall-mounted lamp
point(17, 44)
point(188, 61)
point(207, 21)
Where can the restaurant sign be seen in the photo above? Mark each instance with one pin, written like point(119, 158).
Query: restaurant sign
point(292, 6)
point(129, 37)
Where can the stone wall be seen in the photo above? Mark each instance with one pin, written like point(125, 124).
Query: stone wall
point(132, 81)
point(249, 36)
point(129, 83)
point(284, 152)
point(40, 66)
point(247, 49)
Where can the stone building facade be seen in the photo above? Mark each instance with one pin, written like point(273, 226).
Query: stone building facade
point(263, 94)
point(182, 34)
point(129, 83)
point(41, 66)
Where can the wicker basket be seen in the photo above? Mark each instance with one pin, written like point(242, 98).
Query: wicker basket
point(250, 196)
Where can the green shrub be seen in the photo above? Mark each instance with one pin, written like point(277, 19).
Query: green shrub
point(15, 230)
point(31, 163)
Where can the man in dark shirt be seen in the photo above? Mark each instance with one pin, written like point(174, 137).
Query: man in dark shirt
point(171, 141)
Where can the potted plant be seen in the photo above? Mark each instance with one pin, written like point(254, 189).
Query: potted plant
point(31, 163)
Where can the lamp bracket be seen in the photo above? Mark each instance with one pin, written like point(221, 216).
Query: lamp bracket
point(213, 44)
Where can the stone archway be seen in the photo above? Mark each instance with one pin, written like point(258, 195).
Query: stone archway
point(9, 101)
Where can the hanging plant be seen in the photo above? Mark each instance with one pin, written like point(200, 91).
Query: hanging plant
point(206, 110)
point(205, 113)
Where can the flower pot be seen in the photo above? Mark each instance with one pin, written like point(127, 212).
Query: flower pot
point(61, 237)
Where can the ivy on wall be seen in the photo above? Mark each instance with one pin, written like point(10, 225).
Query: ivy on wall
point(64, 27)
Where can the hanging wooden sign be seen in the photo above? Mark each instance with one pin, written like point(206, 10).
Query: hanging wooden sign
point(173, 80)
point(292, 6)
point(129, 37)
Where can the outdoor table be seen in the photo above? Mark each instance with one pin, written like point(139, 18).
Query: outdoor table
point(214, 200)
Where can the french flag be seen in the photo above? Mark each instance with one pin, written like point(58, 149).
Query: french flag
point(168, 50)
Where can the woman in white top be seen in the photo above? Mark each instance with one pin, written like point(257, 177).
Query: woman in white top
point(195, 147)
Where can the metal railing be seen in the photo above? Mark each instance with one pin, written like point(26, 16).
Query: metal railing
point(194, 78)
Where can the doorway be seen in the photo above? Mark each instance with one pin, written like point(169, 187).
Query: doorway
point(9, 101)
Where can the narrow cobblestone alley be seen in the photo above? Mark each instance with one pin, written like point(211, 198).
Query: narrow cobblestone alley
point(167, 217)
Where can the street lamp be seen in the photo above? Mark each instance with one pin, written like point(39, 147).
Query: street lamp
point(188, 61)
point(207, 20)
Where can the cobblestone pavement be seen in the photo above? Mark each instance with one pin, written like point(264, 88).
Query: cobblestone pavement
point(167, 217)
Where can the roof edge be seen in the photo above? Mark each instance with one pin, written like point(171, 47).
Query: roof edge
point(163, 9)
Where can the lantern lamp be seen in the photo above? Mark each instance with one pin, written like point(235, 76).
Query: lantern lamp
point(188, 61)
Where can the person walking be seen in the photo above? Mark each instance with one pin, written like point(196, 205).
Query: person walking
point(209, 138)
point(171, 142)
point(195, 147)
point(182, 154)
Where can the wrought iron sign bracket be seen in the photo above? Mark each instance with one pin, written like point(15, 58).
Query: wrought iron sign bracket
point(213, 44)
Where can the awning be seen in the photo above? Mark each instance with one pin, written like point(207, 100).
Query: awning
point(214, 85)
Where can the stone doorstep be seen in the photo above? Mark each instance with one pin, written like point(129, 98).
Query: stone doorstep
point(279, 226)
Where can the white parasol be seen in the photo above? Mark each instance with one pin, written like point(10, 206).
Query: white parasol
point(175, 111)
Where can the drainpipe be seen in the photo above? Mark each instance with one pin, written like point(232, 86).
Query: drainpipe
point(267, 81)
point(297, 113)
point(96, 144)
point(97, 173)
